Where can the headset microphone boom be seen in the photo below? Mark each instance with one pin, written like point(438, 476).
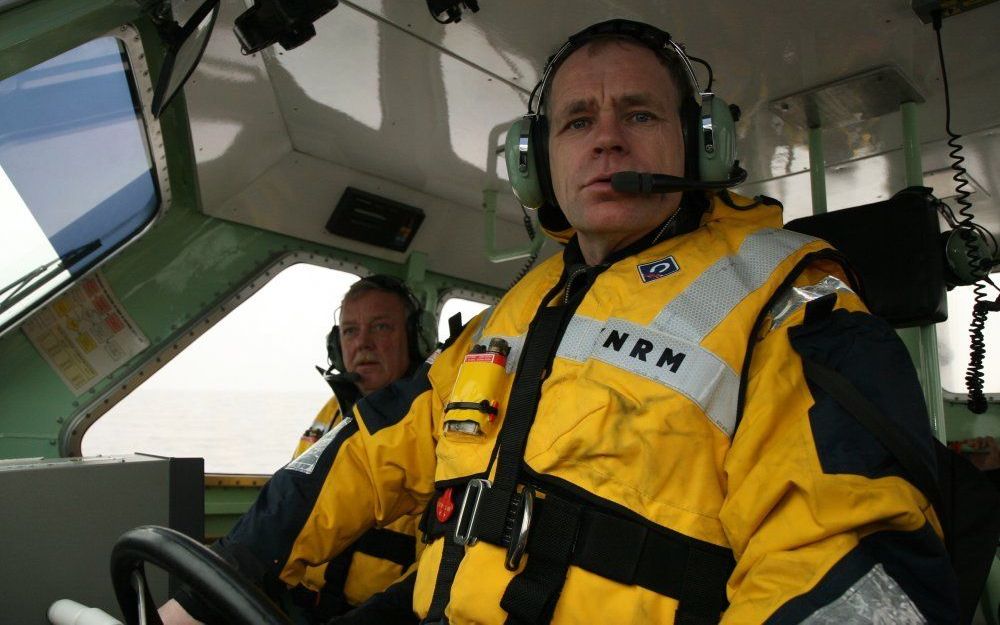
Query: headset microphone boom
point(644, 183)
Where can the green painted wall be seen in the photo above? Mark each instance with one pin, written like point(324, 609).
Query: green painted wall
point(963, 424)
point(185, 265)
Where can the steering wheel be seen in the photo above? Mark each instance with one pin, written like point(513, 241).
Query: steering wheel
point(234, 598)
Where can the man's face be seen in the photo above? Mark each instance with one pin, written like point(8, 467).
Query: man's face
point(613, 107)
point(373, 338)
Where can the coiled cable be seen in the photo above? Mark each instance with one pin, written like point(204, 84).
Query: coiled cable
point(530, 229)
point(969, 232)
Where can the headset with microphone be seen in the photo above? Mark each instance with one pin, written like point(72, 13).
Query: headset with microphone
point(644, 183)
point(709, 133)
point(419, 327)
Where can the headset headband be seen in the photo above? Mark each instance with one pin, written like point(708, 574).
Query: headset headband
point(649, 36)
point(394, 285)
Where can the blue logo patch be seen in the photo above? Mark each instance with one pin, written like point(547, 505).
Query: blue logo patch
point(657, 269)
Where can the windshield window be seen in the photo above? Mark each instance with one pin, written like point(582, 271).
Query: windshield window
point(244, 392)
point(452, 305)
point(76, 176)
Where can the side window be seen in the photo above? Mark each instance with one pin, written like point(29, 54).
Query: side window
point(77, 178)
point(243, 393)
point(954, 345)
point(469, 309)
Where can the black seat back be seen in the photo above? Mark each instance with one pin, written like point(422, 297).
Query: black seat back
point(895, 246)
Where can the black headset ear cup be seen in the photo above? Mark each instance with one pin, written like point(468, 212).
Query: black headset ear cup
point(540, 144)
point(423, 335)
point(334, 351)
point(691, 126)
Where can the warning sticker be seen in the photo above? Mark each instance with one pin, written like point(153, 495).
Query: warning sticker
point(85, 334)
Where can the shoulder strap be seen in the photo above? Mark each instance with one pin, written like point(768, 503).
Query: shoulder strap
point(543, 334)
point(847, 395)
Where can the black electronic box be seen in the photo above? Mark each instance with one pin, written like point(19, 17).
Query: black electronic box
point(368, 218)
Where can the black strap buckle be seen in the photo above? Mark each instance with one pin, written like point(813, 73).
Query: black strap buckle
point(519, 540)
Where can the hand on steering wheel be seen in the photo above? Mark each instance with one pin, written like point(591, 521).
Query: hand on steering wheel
point(234, 599)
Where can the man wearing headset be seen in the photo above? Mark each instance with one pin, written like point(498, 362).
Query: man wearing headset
point(629, 436)
point(369, 347)
point(376, 341)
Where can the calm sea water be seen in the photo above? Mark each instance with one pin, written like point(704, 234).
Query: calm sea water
point(234, 432)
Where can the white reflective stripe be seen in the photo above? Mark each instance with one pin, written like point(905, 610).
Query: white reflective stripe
point(720, 288)
point(669, 351)
point(875, 599)
point(797, 297)
point(580, 337)
point(516, 342)
point(681, 365)
point(307, 461)
point(482, 324)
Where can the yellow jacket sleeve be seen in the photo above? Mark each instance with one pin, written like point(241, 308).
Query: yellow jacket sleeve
point(383, 469)
point(819, 517)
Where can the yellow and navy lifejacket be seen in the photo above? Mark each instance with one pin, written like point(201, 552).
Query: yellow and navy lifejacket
point(606, 480)
point(371, 563)
point(642, 504)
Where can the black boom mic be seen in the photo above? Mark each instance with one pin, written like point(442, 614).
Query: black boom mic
point(346, 376)
point(646, 183)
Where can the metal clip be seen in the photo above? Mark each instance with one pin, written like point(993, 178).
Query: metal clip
point(707, 122)
point(518, 543)
point(465, 528)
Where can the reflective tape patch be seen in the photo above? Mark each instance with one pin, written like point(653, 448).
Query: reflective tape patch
point(482, 324)
point(306, 463)
point(797, 297)
point(720, 288)
point(681, 365)
point(874, 599)
point(669, 351)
